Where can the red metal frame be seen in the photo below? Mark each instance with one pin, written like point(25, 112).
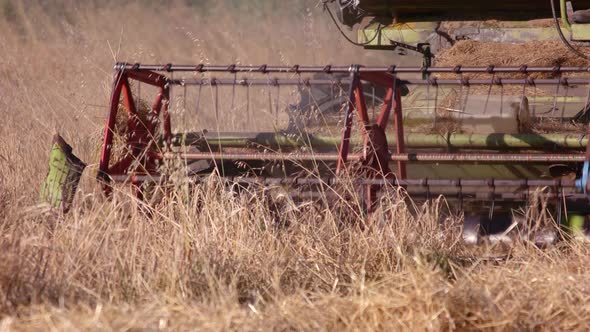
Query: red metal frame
point(375, 151)
point(141, 144)
point(139, 140)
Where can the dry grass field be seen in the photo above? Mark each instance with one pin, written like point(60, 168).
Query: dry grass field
point(219, 261)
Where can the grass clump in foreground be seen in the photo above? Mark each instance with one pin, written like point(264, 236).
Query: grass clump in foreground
point(222, 261)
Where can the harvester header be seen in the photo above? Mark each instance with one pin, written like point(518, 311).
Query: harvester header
point(488, 138)
point(419, 162)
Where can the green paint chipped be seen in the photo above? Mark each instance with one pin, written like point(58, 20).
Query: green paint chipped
point(63, 176)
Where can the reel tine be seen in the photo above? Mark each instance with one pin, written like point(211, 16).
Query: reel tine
point(436, 91)
point(559, 206)
point(248, 117)
point(460, 196)
point(198, 99)
point(434, 110)
point(138, 99)
point(269, 94)
point(311, 104)
point(493, 207)
point(170, 94)
point(184, 94)
point(521, 126)
point(459, 99)
point(295, 115)
point(523, 91)
point(233, 93)
point(485, 105)
point(555, 97)
point(534, 96)
point(217, 104)
point(342, 95)
point(321, 114)
point(373, 101)
point(332, 86)
point(463, 96)
point(587, 101)
point(464, 107)
point(428, 101)
point(564, 104)
point(501, 98)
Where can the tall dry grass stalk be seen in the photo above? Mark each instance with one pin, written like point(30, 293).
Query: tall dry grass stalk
point(221, 260)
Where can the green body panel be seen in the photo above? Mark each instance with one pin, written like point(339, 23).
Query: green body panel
point(421, 32)
point(422, 100)
point(63, 176)
point(415, 32)
point(409, 33)
point(580, 32)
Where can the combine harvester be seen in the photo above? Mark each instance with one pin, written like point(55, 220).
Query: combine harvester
point(490, 139)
